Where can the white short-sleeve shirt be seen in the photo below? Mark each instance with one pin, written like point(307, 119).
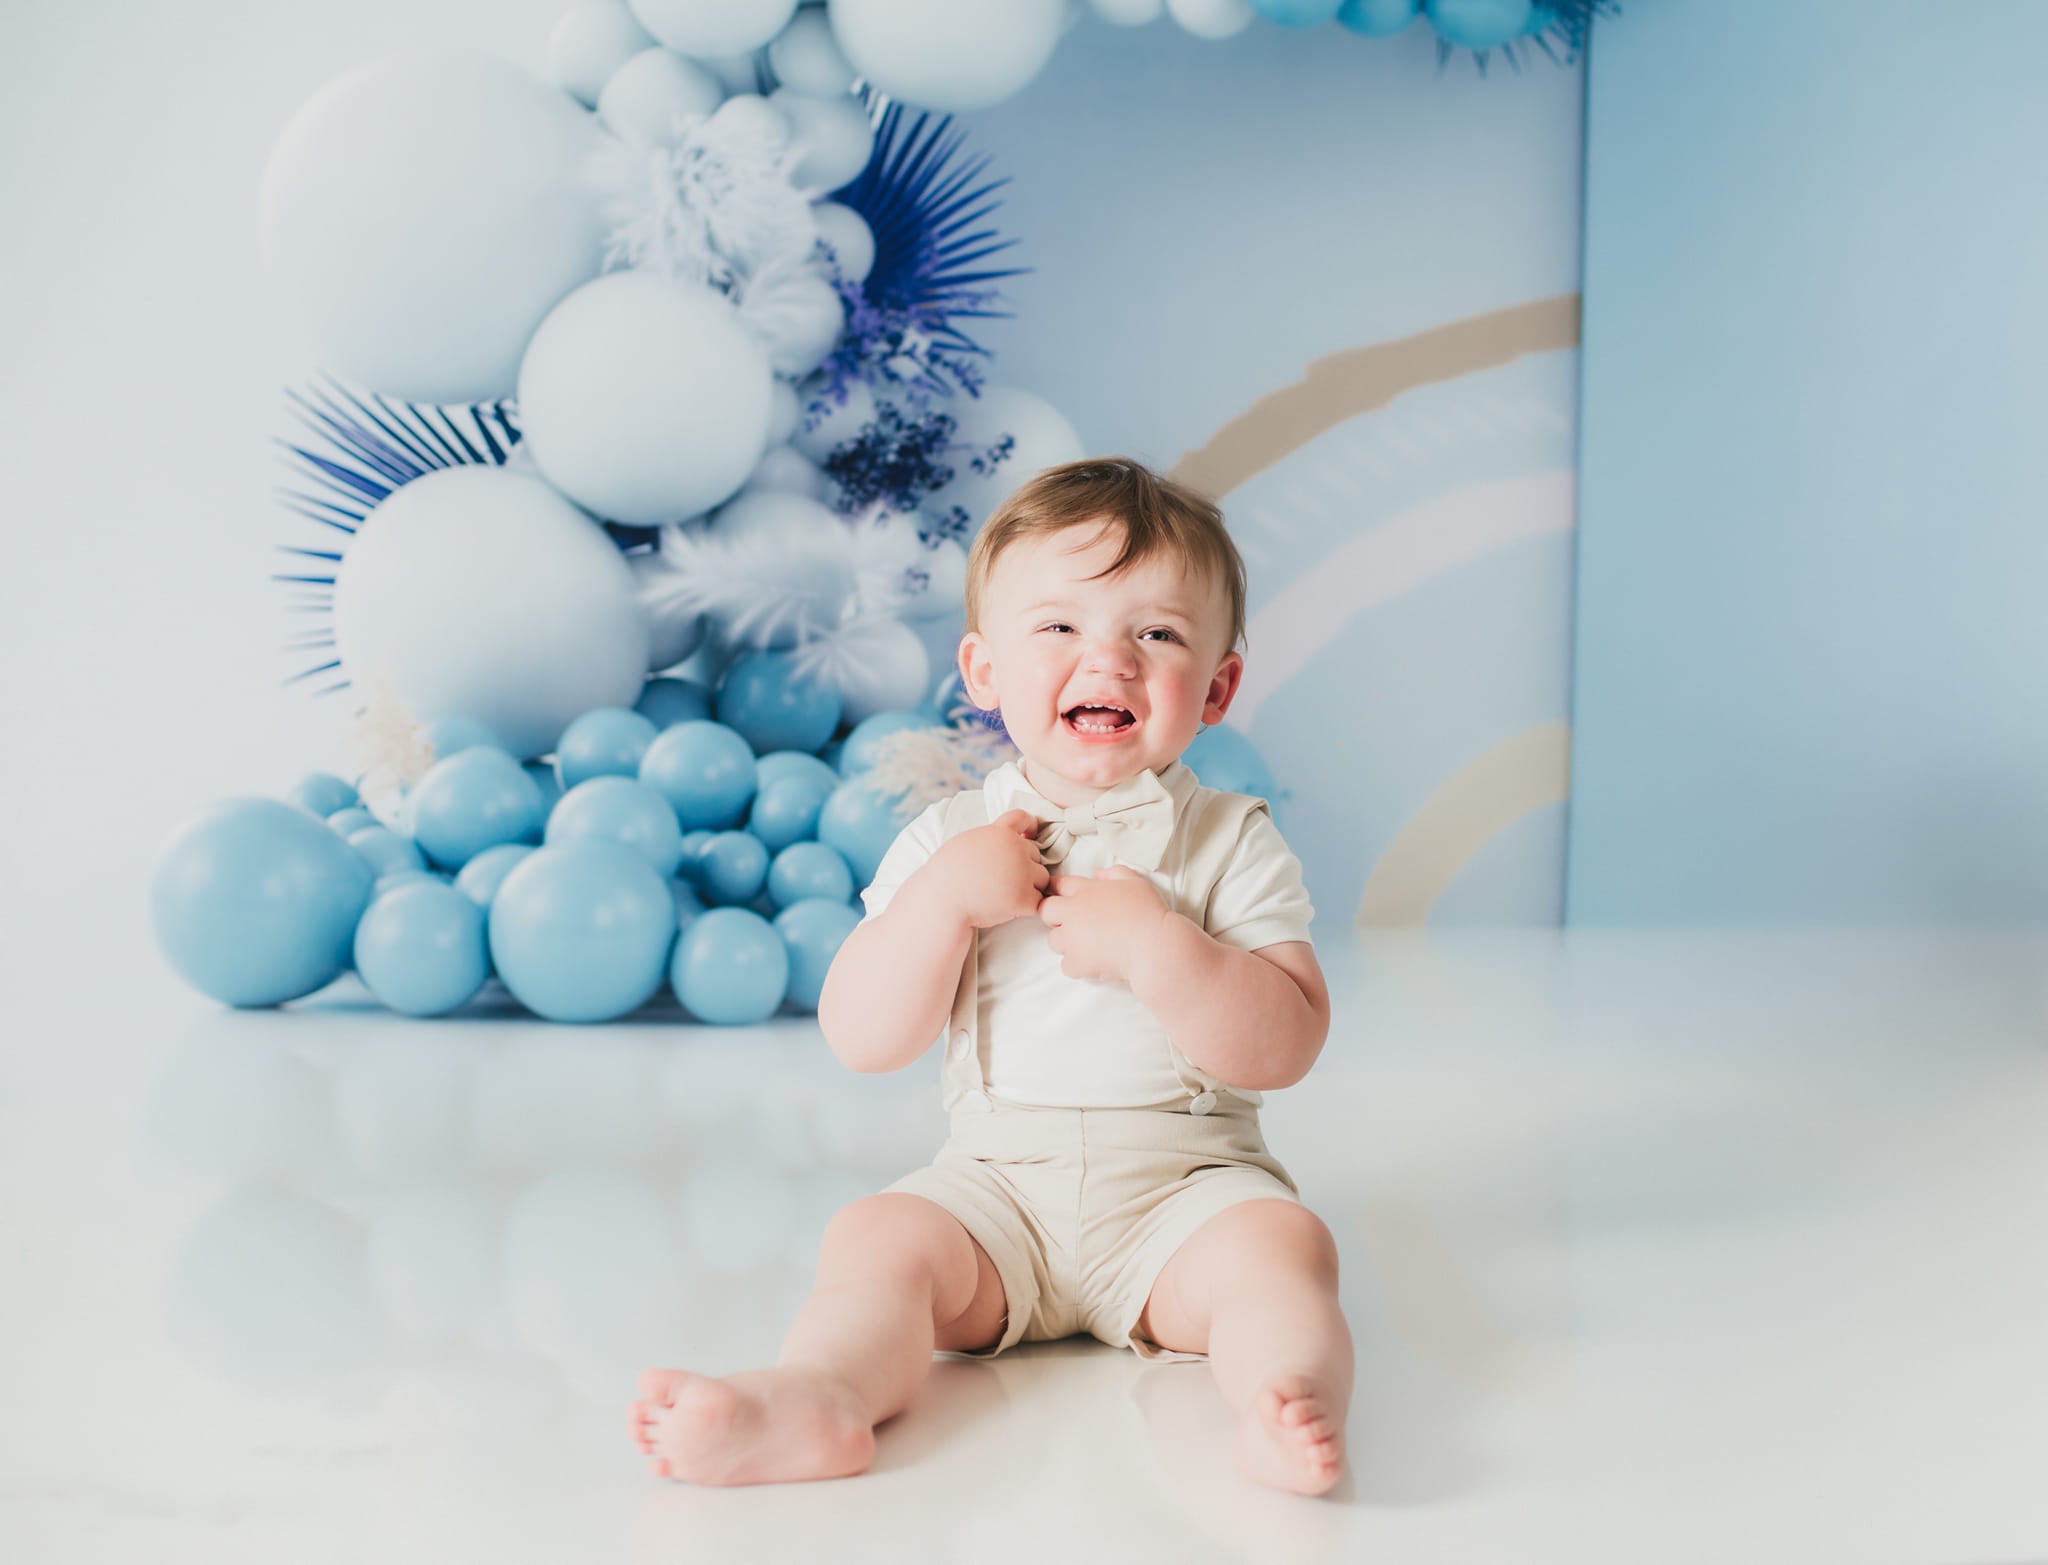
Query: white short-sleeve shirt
point(1061, 1042)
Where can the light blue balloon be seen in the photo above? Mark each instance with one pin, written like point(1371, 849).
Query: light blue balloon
point(809, 871)
point(705, 771)
point(730, 967)
point(779, 764)
point(421, 949)
point(322, 793)
point(670, 700)
point(814, 930)
point(385, 851)
point(861, 824)
point(731, 868)
point(477, 798)
point(1297, 13)
point(255, 902)
point(607, 742)
point(1479, 24)
point(582, 932)
point(786, 810)
point(550, 785)
point(622, 810)
point(772, 706)
point(454, 734)
point(1221, 757)
point(858, 750)
point(483, 875)
point(1378, 18)
point(688, 903)
point(690, 867)
point(344, 823)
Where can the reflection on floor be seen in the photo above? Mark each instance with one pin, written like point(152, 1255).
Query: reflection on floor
point(1655, 1246)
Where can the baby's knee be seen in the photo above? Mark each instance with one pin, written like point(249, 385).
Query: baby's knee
point(904, 1236)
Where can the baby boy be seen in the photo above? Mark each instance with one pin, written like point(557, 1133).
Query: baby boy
point(1117, 963)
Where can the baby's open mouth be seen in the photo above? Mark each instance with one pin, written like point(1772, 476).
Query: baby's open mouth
point(1092, 719)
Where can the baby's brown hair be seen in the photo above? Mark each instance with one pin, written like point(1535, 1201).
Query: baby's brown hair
point(1155, 513)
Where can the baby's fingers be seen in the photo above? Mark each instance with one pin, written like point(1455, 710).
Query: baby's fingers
point(1019, 821)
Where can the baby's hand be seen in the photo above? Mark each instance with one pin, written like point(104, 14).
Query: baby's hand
point(1103, 926)
point(991, 874)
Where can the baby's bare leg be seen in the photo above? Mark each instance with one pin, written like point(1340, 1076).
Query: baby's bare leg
point(897, 1276)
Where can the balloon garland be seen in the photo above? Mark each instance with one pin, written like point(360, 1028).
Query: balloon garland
point(679, 370)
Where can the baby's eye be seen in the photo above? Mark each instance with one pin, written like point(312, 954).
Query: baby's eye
point(1056, 626)
point(1161, 630)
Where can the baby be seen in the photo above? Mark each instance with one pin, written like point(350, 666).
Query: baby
point(1117, 961)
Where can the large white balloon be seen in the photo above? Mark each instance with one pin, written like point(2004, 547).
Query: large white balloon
point(1212, 18)
point(797, 314)
point(652, 98)
point(1043, 438)
point(851, 240)
point(671, 636)
point(787, 469)
point(423, 215)
point(949, 55)
point(591, 41)
point(1128, 13)
point(484, 594)
point(645, 399)
point(902, 576)
point(807, 58)
point(833, 138)
point(706, 28)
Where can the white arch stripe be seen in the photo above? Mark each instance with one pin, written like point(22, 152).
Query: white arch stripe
point(1367, 571)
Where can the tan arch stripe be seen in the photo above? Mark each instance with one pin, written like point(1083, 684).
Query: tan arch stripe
point(1342, 385)
point(1515, 778)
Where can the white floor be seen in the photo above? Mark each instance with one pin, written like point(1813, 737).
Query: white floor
point(1658, 1248)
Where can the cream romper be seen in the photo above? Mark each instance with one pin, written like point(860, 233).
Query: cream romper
point(1080, 1208)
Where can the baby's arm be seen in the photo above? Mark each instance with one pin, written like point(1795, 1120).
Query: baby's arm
point(1255, 1019)
point(890, 987)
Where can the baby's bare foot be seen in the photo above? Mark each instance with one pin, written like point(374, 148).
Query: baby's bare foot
point(1291, 1438)
point(764, 1426)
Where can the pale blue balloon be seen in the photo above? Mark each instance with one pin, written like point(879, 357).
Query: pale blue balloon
point(453, 734)
point(1479, 24)
point(477, 798)
point(1221, 757)
point(858, 750)
point(705, 771)
point(421, 948)
point(608, 742)
point(1378, 18)
point(786, 810)
point(344, 823)
point(730, 967)
point(779, 764)
point(550, 785)
point(385, 851)
point(1297, 13)
point(690, 867)
point(731, 868)
point(483, 875)
point(622, 810)
point(582, 932)
point(772, 706)
point(809, 871)
point(255, 902)
point(861, 824)
point(322, 793)
point(670, 700)
point(814, 930)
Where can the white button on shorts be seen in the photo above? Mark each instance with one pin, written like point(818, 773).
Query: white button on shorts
point(962, 1042)
point(1203, 1103)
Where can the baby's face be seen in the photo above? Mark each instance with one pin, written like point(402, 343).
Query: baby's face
point(1053, 643)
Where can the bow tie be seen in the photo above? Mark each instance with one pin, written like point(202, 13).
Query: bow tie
point(1134, 820)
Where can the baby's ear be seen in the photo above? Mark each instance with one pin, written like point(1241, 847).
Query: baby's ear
point(1223, 687)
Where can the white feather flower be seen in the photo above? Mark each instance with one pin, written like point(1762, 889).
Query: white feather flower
point(777, 583)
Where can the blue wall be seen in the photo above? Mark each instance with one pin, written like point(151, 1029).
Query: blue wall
point(1811, 668)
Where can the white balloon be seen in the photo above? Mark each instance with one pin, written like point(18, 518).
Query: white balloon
point(851, 240)
point(671, 636)
point(945, 566)
point(748, 118)
point(645, 399)
point(652, 98)
point(737, 71)
point(949, 55)
point(422, 216)
point(826, 423)
point(783, 414)
point(787, 469)
point(1042, 438)
point(714, 27)
point(788, 518)
point(892, 673)
point(807, 58)
point(1212, 18)
point(797, 314)
point(590, 42)
point(1129, 13)
point(434, 1259)
point(484, 594)
point(833, 137)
